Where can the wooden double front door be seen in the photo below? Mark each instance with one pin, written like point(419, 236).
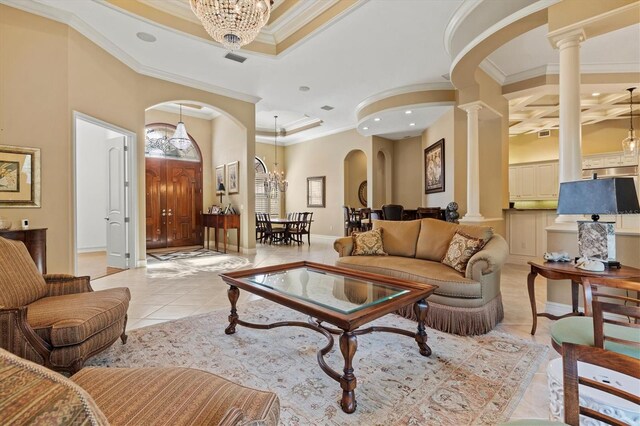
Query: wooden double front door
point(174, 203)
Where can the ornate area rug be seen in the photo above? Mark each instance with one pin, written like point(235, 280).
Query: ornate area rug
point(467, 380)
point(182, 254)
point(183, 267)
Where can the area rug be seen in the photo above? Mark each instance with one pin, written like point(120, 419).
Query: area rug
point(182, 254)
point(466, 381)
point(179, 268)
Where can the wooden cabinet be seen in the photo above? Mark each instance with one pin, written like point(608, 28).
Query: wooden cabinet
point(612, 159)
point(534, 181)
point(527, 235)
point(36, 242)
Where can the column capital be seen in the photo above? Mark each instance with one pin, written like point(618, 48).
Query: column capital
point(563, 38)
point(472, 106)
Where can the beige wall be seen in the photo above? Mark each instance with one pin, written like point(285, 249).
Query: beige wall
point(380, 172)
point(322, 157)
point(200, 130)
point(602, 137)
point(355, 172)
point(407, 164)
point(36, 106)
point(441, 128)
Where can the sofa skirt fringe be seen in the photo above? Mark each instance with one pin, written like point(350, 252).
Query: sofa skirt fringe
point(461, 321)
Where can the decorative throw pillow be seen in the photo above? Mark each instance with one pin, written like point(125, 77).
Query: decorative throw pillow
point(460, 250)
point(368, 243)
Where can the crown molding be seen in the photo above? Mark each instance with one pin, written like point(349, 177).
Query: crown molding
point(554, 69)
point(422, 87)
point(86, 30)
point(308, 138)
point(175, 109)
point(488, 66)
point(462, 12)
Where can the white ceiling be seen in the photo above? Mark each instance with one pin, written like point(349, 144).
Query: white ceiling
point(376, 47)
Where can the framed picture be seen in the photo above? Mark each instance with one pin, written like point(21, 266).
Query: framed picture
point(233, 180)
point(19, 176)
point(316, 191)
point(434, 168)
point(220, 179)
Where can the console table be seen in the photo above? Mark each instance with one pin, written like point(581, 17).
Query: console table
point(36, 241)
point(224, 222)
point(568, 271)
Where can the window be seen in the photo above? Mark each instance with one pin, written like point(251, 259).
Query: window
point(265, 204)
point(157, 144)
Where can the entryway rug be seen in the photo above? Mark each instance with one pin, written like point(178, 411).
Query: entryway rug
point(185, 266)
point(466, 381)
point(182, 254)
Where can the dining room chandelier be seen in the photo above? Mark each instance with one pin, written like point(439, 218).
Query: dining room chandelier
point(275, 181)
point(233, 23)
point(630, 143)
point(180, 138)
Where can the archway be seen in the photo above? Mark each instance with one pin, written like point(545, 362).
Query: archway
point(355, 173)
point(173, 189)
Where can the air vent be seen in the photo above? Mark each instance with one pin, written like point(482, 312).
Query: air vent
point(234, 57)
point(327, 107)
point(544, 133)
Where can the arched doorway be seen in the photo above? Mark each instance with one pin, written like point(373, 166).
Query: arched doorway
point(355, 173)
point(173, 188)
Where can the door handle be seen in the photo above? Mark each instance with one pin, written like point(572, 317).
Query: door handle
point(164, 212)
point(107, 219)
point(169, 214)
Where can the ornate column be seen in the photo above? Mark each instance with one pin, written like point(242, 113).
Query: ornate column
point(473, 163)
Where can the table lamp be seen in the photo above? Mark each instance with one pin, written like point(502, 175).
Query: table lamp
point(597, 240)
point(221, 190)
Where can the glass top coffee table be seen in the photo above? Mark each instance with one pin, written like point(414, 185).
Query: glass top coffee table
point(344, 298)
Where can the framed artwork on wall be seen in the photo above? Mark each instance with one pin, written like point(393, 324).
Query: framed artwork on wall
point(233, 176)
point(316, 191)
point(19, 176)
point(220, 179)
point(434, 168)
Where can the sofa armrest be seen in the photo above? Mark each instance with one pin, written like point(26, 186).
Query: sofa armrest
point(233, 417)
point(61, 284)
point(17, 336)
point(344, 246)
point(491, 258)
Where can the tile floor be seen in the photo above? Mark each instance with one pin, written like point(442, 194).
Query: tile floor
point(155, 300)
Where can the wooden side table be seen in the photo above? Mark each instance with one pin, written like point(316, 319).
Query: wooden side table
point(224, 222)
point(568, 271)
point(36, 241)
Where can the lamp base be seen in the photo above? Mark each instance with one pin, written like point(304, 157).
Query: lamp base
point(608, 264)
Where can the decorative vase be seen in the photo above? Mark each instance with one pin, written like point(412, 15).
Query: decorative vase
point(4, 223)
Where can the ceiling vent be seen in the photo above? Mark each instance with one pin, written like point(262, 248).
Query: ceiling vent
point(327, 107)
point(234, 57)
point(544, 133)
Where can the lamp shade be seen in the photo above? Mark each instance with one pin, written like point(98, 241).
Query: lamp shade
point(599, 196)
point(221, 187)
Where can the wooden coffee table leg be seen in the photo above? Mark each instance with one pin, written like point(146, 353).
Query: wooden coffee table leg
point(348, 346)
point(233, 293)
point(531, 278)
point(420, 308)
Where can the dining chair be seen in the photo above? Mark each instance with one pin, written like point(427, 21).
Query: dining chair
point(275, 234)
point(392, 212)
point(365, 219)
point(611, 318)
point(261, 229)
point(351, 221)
point(576, 379)
point(428, 212)
point(300, 228)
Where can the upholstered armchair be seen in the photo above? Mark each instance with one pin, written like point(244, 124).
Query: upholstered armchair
point(55, 320)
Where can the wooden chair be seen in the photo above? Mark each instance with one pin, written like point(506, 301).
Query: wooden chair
point(275, 234)
point(610, 332)
point(351, 221)
point(392, 212)
point(261, 227)
point(429, 212)
point(572, 380)
point(301, 228)
point(365, 219)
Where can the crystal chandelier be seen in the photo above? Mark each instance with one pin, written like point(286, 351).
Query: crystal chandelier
point(233, 23)
point(275, 180)
point(180, 138)
point(630, 143)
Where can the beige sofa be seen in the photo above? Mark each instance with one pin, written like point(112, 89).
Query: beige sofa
point(465, 304)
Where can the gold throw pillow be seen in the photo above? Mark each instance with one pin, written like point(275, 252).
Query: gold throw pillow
point(460, 250)
point(368, 243)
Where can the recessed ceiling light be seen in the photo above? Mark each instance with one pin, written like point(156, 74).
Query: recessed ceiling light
point(595, 94)
point(304, 88)
point(377, 119)
point(365, 128)
point(408, 111)
point(149, 38)
point(412, 124)
point(327, 107)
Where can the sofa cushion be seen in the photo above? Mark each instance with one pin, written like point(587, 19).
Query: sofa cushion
point(434, 238)
point(368, 243)
point(476, 231)
point(20, 281)
point(35, 395)
point(450, 282)
point(460, 250)
point(399, 237)
point(73, 318)
point(173, 396)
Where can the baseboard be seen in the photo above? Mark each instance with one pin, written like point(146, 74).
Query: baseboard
point(519, 259)
point(325, 237)
point(91, 249)
point(141, 263)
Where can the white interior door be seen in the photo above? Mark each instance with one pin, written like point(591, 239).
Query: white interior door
point(116, 203)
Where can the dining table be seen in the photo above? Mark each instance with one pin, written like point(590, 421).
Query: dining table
point(287, 225)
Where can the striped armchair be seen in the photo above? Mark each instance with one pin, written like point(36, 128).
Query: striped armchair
point(55, 320)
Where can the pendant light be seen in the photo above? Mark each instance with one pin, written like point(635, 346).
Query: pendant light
point(275, 181)
point(630, 143)
point(180, 138)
